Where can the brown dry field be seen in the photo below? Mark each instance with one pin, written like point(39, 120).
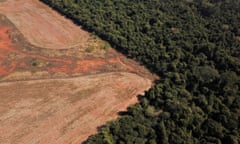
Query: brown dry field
point(53, 90)
point(42, 26)
point(64, 111)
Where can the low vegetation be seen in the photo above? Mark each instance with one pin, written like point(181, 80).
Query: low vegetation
point(193, 45)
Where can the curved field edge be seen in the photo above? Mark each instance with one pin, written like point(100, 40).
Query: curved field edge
point(56, 111)
point(19, 60)
point(193, 46)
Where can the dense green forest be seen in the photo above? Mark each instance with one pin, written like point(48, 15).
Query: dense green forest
point(193, 45)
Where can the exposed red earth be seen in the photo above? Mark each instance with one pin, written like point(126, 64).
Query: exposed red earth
point(58, 85)
point(12, 60)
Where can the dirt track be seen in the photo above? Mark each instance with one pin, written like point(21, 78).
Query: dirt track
point(63, 94)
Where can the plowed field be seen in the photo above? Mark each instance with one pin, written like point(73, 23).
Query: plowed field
point(64, 111)
point(58, 83)
point(42, 26)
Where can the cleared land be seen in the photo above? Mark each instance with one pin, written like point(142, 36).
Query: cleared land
point(55, 88)
point(64, 111)
point(42, 26)
point(20, 61)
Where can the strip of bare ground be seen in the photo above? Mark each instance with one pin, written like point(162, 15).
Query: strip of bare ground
point(16, 64)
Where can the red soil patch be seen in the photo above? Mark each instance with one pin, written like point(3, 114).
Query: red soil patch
point(13, 59)
point(5, 44)
point(25, 61)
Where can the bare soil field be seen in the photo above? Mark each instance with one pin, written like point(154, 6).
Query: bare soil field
point(64, 111)
point(20, 61)
point(42, 26)
point(59, 83)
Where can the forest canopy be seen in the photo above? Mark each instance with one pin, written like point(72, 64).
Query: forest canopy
point(193, 45)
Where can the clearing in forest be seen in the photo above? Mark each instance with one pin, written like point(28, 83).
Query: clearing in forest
point(58, 83)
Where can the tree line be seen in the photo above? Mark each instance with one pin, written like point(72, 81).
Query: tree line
point(193, 45)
